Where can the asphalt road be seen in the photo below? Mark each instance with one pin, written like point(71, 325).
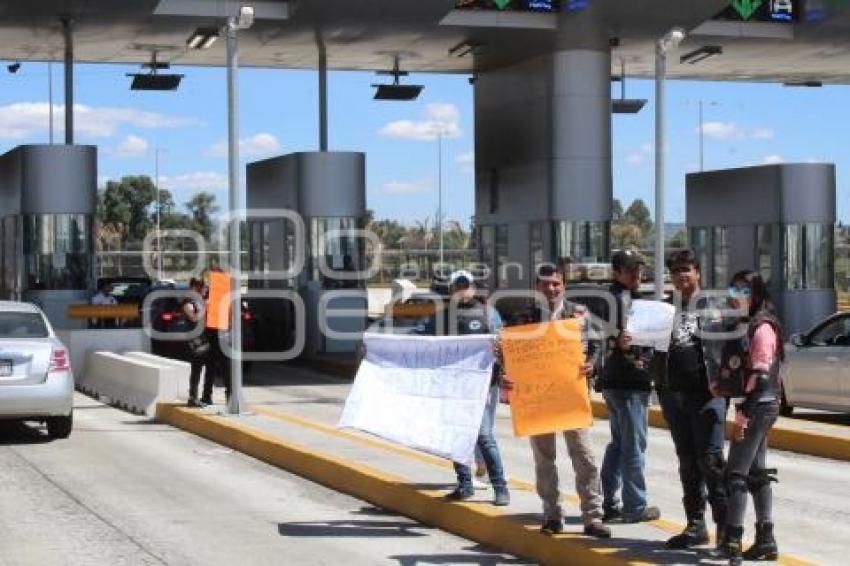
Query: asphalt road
point(122, 490)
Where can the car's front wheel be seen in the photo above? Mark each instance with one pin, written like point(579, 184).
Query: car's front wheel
point(60, 427)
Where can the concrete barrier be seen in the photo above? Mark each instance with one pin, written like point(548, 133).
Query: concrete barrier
point(130, 382)
point(80, 342)
point(178, 369)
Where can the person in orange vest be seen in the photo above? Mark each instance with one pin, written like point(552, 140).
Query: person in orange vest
point(217, 329)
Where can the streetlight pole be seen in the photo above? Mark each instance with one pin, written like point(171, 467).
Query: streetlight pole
point(670, 41)
point(440, 192)
point(156, 151)
point(50, 97)
point(234, 405)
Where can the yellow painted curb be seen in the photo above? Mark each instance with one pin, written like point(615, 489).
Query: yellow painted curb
point(477, 522)
point(781, 438)
point(664, 524)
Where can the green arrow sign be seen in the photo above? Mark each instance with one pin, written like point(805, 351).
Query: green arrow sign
point(746, 8)
point(501, 4)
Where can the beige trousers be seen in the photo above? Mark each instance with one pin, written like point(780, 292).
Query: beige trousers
point(588, 486)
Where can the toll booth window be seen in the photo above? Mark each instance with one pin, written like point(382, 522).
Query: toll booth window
point(502, 256)
point(583, 246)
point(767, 239)
point(701, 242)
point(536, 249)
point(343, 251)
point(10, 256)
point(57, 251)
point(720, 255)
point(809, 256)
point(487, 250)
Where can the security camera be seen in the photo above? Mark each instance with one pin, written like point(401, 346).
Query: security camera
point(246, 17)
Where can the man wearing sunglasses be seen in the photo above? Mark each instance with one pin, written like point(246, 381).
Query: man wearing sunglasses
point(695, 417)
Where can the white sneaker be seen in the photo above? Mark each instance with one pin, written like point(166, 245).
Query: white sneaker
point(479, 484)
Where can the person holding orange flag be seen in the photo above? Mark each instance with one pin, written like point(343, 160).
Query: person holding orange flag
point(217, 327)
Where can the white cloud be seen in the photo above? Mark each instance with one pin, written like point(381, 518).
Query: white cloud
point(132, 146)
point(722, 130)
point(262, 144)
point(772, 159)
point(733, 131)
point(25, 119)
point(635, 158)
point(639, 156)
point(197, 181)
point(407, 187)
point(466, 161)
point(439, 118)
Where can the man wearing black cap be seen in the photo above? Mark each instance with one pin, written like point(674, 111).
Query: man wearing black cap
point(626, 386)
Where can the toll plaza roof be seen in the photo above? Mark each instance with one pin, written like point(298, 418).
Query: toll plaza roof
point(456, 36)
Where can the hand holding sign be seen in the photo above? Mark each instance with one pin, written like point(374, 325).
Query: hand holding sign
point(545, 365)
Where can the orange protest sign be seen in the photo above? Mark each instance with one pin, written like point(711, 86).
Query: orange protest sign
point(544, 361)
point(218, 302)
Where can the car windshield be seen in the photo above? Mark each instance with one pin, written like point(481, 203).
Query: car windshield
point(22, 325)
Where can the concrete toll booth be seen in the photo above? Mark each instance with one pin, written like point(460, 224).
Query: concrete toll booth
point(328, 191)
point(48, 196)
point(543, 156)
point(777, 219)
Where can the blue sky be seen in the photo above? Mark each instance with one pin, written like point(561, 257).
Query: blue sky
point(744, 124)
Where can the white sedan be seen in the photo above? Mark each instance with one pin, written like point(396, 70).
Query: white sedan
point(36, 381)
point(818, 370)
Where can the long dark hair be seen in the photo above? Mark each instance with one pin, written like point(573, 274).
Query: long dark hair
point(762, 308)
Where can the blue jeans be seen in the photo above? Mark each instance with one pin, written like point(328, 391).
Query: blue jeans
point(623, 465)
point(697, 424)
point(487, 445)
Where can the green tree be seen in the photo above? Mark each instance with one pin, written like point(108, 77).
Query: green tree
point(616, 211)
point(678, 240)
point(455, 237)
point(125, 206)
point(389, 232)
point(638, 214)
point(202, 207)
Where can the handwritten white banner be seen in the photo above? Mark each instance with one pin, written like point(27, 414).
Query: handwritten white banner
point(424, 392)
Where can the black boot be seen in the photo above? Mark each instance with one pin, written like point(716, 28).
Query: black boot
point(694, 534)
point(764, 547)
point(732, 547)
point(719, 537)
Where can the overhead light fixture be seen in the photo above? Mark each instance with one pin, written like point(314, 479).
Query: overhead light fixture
point(672, 39)
point(13, 68)
point(396, 91)
point(245, 19)
point(625, 105)
point(202, 38)
point(464, 48)
point(154, 80)
point(814, 84)
point(700, 54)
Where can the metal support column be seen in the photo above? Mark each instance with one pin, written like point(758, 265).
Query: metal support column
point(234, 406)
point(69, 80)
point(660, 71)
point(323, 98)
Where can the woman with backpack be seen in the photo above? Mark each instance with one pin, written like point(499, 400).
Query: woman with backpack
point(751, 378)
